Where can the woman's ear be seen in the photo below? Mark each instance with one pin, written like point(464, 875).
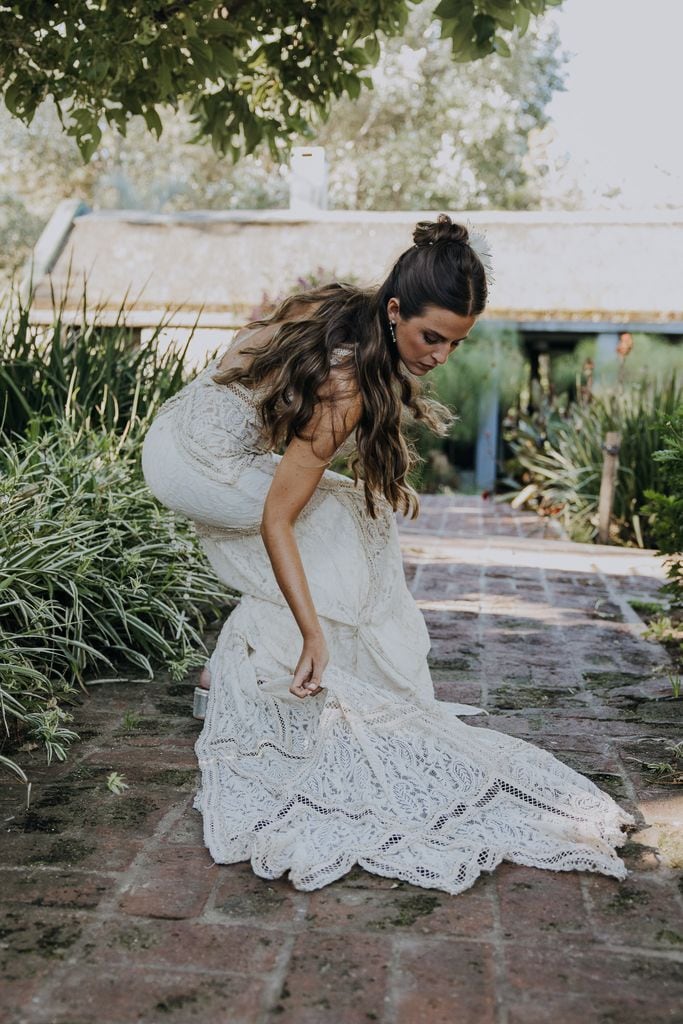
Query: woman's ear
point(393, 306)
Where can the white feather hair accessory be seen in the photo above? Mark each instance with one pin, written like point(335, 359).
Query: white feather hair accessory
point(479, 241)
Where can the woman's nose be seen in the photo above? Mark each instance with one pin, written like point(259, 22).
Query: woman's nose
point(442, 354)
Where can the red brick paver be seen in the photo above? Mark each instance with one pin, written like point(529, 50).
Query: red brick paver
point(113, 911)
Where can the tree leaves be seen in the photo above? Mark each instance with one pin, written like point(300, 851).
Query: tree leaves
point(264, 72)
point(473, 25)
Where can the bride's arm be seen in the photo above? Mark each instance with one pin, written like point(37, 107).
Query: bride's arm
point(296, 478)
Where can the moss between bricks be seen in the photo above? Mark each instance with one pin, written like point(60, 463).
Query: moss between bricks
point(616, 679)
point(409, 909)
point(517, 698)
point(175, 777)
point(124, 809)
point(130, 810)
point(608, 781)
point(648, 607)
point(173, 1003)
point(452, 664)
point(83, 772)
point(64, 851)
point(45, 938)
point(628, 898)
point(251, 903)
point(135, 937)
point(661, 711)
point(33, 822)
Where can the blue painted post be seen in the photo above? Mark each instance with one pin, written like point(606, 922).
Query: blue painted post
point(487, 438)
point(606, 359)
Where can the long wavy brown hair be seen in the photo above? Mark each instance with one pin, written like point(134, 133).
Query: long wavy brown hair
point(293, 369)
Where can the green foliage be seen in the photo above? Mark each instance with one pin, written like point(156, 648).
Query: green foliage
point(558, 457)
point(474, 27)
point(652, 358)
point(95, 576)
point(249, 72)
point(82, 372)
point(664, 505)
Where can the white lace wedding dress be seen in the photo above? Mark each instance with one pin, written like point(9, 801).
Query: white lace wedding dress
point(373, 770)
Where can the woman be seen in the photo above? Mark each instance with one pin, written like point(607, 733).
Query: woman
point(323, 745)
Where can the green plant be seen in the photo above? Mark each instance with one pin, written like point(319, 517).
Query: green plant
point(115, 783)
point(668, 771)
point(82, 372)
point(647, 607)
point(558, 458)
point(664, 505)
point(95, 574)
point(651, 359)
point(659, 628)
point(130, 720)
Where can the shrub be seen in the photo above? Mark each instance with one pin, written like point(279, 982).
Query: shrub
point(652, 358)
point(665, 507)
point(96, 576)
point(83, 372)
point(558, 458)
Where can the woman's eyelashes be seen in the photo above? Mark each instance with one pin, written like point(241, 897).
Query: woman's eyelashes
point(438, 341)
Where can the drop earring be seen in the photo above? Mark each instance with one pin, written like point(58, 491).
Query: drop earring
point(393, 331)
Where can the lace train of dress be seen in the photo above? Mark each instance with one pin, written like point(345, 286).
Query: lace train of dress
point(373, 770)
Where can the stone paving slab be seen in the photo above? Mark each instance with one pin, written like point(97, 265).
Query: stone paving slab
point(113, 911)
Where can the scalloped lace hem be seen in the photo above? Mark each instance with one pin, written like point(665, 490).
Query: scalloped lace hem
point(419, 860)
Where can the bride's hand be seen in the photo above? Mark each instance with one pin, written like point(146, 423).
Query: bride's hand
point(309, 671)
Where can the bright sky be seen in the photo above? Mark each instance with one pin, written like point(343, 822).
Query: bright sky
point(620, 118)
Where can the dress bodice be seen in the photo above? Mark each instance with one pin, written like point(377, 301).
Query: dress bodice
point(218, 425)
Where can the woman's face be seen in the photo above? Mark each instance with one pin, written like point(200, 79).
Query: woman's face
point(426, 341)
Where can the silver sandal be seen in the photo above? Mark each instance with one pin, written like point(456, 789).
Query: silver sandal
point(201, 699)
point(200, 702)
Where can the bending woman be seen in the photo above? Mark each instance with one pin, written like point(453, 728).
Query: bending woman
point(323, 744)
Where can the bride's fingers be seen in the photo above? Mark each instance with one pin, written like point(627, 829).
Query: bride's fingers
point(301, 677)
point(305, 682)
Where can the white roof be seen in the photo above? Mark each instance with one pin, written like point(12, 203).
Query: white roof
point(213, 268)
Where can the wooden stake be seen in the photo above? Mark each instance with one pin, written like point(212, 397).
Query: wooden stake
point(608, 483)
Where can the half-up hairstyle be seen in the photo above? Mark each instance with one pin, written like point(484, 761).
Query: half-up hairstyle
point(290, 371)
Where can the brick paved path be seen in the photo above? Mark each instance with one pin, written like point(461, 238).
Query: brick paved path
point(114, 912)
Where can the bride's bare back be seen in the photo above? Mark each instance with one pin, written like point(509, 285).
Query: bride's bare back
point(254, 337)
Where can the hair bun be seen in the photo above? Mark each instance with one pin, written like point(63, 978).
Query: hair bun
point(443, 229)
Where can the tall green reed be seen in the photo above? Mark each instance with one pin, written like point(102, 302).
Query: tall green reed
point(82, 370)
point(558, 457)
